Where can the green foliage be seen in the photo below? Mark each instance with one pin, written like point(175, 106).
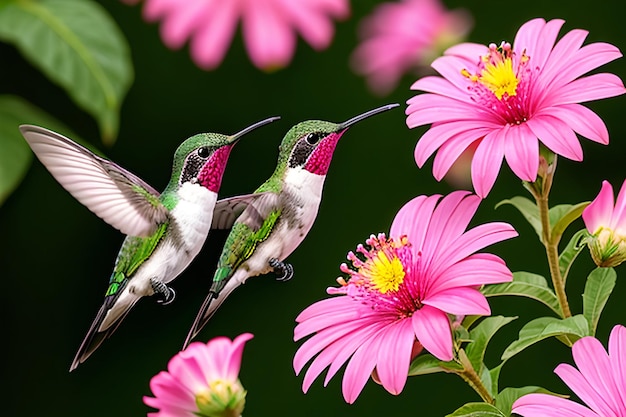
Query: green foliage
point(526, 284)
point(78, 46)
point(505, 399)
point(15, 155)
point(427, 364)
point(481, 335)
point(598, 288)
point(571, 251)
point(545, 327)
point(528, 209)
point(477, 410)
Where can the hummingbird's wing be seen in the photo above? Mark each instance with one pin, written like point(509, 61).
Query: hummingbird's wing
point(227, 210)
point(113, 193)
point(253, 226)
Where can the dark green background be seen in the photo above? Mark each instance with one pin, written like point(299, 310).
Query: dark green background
point(56, 256)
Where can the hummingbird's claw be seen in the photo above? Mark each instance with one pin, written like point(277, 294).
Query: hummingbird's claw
point(164, 294)
point(284, 269)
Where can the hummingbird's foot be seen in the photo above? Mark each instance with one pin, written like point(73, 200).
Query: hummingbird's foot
point(282, 269)
point(164, 294)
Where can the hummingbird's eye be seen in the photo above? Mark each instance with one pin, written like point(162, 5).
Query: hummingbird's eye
point(313, 138)
point(203, 152)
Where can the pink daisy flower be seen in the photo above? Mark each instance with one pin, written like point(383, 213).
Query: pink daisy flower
point(202, 380)
point(512, 97)
point(269, 27)
point(599, 381)
point(606, 222)
point(403, 36)
point(402, 288)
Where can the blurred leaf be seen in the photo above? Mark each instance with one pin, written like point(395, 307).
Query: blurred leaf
point(571, 251)
point(15, 154)
point(598, 288)
point(545, 327)
point(485, 378)
point(428, 364)
point(78, 46)
point(529, 210)
point(477, 410)
point(526, 284)
point(562, 216)
point(481, 335)
point(505, 400)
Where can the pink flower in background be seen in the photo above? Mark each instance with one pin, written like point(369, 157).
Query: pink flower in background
point(605, 220)
point(599, 381)
point(511, 97)
point(401, 288)
point(202, 380)
point(403, 36)
point(269, 27)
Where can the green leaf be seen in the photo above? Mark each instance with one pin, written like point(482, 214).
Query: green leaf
point(15, 155)
point(477, 410)
point(571, 251)
point(562, 216)
point(598, 288)
point(428, 364)
point(545, 327)
point(529, 210)
point(505, 399)
point(78, 46)
point(495, 377)
point(526, 284)
point(481, 335)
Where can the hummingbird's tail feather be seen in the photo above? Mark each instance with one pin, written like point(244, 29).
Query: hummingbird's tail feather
point(95, 336)
point(210, 305)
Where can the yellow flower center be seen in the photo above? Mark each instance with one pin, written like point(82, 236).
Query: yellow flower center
point(500, 78)
point(384, 273)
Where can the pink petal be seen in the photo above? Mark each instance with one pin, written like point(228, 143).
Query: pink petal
point(430, 108)
point(453, 149)
point(557, 136)
point(600, 212)
point(232, 363)
point(181, 22)
point(394, 356)
point(545, 405)
point(592, 87)
point(441, 86)
point(360, 368)
point(459, 301)
point(617, 352)
point(543, 42)
point(528, 35)
point(470, 51)
point(269, 39)
point(476, 270)
point(583, 388)
point(487, 161)
point(314, 26)
point(618, 219)
point(405, 223)
point(432, 328)
point(211, 41)
point(582, 120)
point(563, 50)
point(522, 152)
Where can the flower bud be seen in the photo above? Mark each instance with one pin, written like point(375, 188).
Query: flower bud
point(221, 399)
point(608, 249)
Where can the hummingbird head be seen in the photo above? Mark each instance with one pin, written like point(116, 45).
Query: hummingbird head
point(202, 158)
point(310, 144)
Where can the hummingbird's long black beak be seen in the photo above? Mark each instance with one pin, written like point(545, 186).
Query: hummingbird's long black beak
point(234, 138)
point(365, 115)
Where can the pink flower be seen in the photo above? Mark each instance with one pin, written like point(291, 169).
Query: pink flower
point(599, 381)
point(402, 288)
point(269, 27)
point(606, 222)
point(511, 97)
point(399, 37)
point(202, 380)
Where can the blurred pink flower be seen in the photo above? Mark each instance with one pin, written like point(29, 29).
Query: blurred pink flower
point(403, 36)
point(202, 380)
point(599, 381)
point(402, 288)
point(269, 27)
point(511, 97)
point(605, 220)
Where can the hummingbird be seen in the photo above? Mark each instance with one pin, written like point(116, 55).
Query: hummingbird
point(165, 231)
point(271, 227)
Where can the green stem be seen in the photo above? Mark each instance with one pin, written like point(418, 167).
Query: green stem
point(470, 376)
point(540, 191)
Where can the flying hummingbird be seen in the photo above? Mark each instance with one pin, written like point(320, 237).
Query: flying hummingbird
point(164, 231)
point(271, 227)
